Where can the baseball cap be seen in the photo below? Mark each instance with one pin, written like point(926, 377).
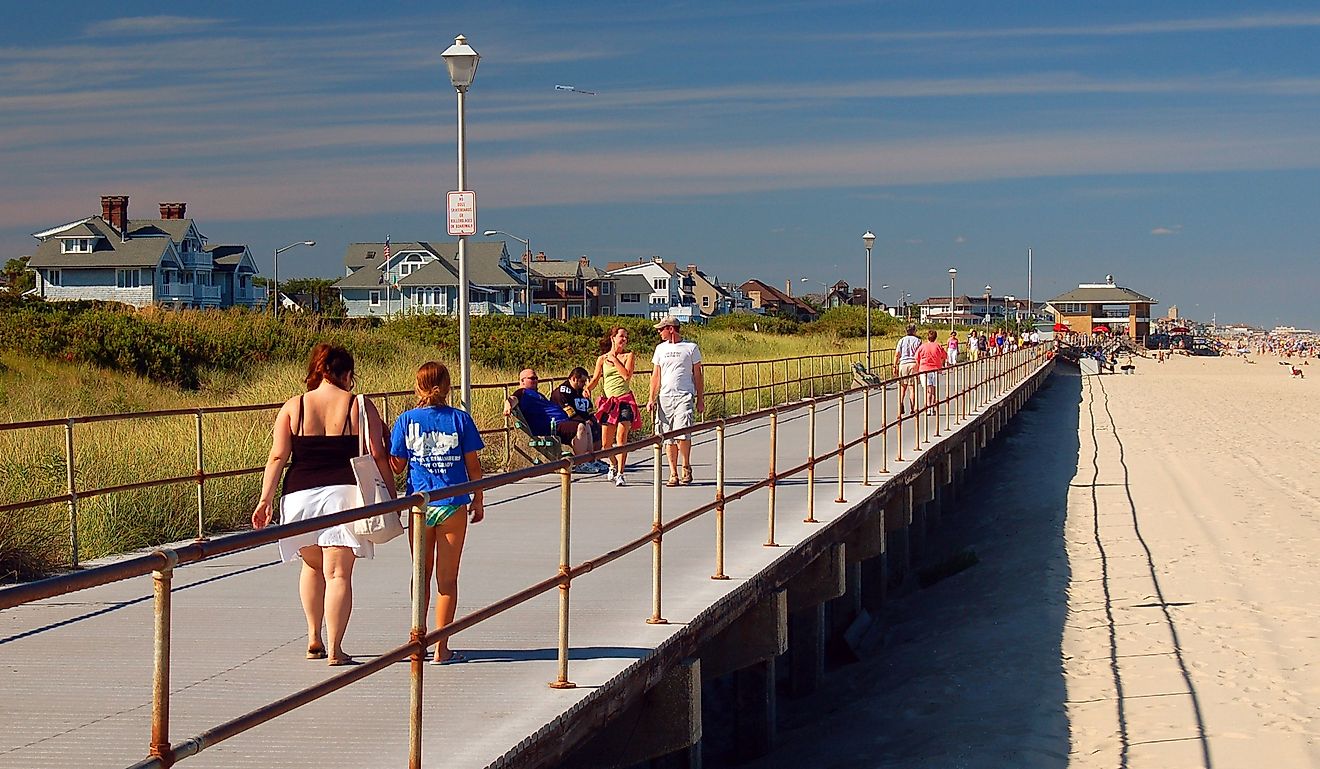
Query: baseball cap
point(668, 320)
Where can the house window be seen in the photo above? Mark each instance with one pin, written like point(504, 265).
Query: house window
point(1073, 308)
point(242, 282)
point(606, 289)
point(705, 301)
point(53, 277)
point(128, 278)
point(660, 284)
point(374, 298)
point(630, 297)
point(76, 245)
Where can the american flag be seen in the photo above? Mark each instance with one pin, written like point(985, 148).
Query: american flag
point(385, 265)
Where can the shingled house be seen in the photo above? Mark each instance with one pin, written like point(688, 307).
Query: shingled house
point(142, 262)
point(423, 277)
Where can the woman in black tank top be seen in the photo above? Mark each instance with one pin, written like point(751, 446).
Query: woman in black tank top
point(315, 436)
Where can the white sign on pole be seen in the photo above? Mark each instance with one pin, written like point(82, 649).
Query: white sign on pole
point(461, 213)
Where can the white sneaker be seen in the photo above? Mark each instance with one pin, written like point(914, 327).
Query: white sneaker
point(609, 473)
point(618, 480)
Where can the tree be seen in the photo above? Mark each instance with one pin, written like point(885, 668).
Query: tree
point(325, 300)
point(18, 278)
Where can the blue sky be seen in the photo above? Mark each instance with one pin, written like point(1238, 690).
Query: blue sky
point(1175, 145)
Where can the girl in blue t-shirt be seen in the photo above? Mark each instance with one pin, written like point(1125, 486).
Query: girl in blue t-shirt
point(438, 444)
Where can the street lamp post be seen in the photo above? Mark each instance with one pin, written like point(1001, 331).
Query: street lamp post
point(953, 277)
point(1007, 298)
point(278, 251)
point(868, 240)
point(527, 269)
point(462, 60)
point(987, 305)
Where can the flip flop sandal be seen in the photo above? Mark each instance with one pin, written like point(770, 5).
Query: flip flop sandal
point(342, 661)
point(686, 478)
point(454, 658)
point(672, 482)
point(315, 652)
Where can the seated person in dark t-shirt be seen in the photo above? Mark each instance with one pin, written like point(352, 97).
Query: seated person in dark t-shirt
point(540, 413)
point(577, 404)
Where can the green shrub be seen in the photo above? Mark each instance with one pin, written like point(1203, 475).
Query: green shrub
point(762, 324)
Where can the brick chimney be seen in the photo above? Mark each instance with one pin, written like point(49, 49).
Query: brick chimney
point(583, 261)
point(114, 210)
point(692, 270)
point(788, 287)
point(540, 256)
point(658, 259)
point(173, 210)
point(527, 257)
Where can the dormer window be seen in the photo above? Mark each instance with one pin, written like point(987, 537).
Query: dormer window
point(76, 245)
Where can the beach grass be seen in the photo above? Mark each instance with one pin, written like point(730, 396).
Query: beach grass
point(36, 540)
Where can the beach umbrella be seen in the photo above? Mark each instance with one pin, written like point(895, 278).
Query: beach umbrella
point(1179, 330)
point(1062, 327)
point(1100, 330)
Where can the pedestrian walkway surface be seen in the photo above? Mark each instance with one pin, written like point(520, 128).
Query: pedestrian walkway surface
point(77, 669)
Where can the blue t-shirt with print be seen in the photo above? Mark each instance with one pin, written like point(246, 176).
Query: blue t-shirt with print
point(434, 439)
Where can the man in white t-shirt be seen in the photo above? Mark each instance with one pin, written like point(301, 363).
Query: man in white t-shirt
point(676, 396)
point(905, 367)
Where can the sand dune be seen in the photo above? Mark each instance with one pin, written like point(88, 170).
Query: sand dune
point(1146, 596)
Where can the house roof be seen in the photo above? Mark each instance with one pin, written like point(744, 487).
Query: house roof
point(176, 229)
point(669, 267)
point(780, 296)
point(1109, 294)
point(228, 256)
point(633, 284)
point(484, 267)
point(108, 250)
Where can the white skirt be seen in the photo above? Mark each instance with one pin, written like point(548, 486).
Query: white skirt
point(314, 503)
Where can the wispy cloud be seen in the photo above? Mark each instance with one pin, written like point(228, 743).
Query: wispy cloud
point(1175, 229)
point(149, 25)
point(1156, 27)
point(960, 239)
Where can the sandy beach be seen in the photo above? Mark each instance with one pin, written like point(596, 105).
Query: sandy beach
point(1145, 596)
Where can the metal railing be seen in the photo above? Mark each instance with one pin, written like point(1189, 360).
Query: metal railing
point(758, 381)
point(966, 388)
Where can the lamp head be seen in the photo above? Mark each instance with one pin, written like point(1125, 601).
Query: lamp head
point(868, 239)
point(952, 271)
point(309, 242)
point(462, 62)
point(490, 233)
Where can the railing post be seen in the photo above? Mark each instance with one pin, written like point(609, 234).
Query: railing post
point(160, 681)
point(938, 402)
point(73, 493)
point(899, 438)
point(508, 435)
point(811, 464)
point(884, 429)
point(201, 482)
point(842, 402)
point(758, 386)
point(918, 398)
point(811, 366)
point(719, 502)
point(772, 383)
point(774, 437)
point(417, 662)
point(657, 524)
point(724, 389)
point(742, 388)
point(565, 518)
point(866, 435)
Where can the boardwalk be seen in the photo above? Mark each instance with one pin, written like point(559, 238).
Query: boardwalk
point(77, 669)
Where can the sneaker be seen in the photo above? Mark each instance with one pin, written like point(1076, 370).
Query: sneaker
point(609, 473)
point(618, 480)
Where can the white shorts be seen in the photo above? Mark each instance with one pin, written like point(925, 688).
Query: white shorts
point(314, 503)
point(674, 411)
point(929, 378)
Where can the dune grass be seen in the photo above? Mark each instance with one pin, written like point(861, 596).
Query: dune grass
point(36, 540)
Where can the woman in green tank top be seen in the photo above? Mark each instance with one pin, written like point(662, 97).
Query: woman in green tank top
point(617, 408)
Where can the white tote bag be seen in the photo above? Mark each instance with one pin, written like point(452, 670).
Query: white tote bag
point(377, 529)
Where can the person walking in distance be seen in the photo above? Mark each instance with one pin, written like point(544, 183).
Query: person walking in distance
point(676, 396)
point(617, 408)
point(953, 347)
point(905, 365)
point(931, 357)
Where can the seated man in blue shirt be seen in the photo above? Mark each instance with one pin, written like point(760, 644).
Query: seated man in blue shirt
point(541, 413)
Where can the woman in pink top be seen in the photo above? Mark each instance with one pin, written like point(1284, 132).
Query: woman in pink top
point(953, 347)
point(931, 357)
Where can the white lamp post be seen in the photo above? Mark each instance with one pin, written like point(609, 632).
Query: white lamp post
point(527, 269)
point(868, 240)
point(279, 251)
point(1007, 298)
point(462, 63)
point(953, 276)
point(987, 305)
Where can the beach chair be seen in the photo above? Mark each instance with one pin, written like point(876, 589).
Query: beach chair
point(547, 448)
point(864, 378)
